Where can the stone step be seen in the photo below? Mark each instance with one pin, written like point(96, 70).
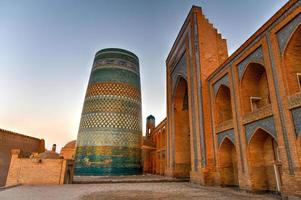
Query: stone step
point(125, 179)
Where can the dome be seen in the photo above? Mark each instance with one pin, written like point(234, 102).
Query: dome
point(70, 144)
point(49, 155)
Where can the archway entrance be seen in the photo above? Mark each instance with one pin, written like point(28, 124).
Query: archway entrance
point(263, 156)
point(182, 132)
point(228, 163)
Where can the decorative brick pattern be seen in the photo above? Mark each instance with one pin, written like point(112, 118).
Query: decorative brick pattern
point(112, 104)
point(115, 89)
point(110, 120)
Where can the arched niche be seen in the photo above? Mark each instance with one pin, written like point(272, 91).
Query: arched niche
point(223, 110)
point(292, 62)
point(254, 88)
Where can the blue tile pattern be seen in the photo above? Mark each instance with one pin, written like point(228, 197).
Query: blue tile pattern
point(296, 114)
point(256, 56)
point(228, 133)
point(266, 124)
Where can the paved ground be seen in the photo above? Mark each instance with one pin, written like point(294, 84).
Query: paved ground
point(127, 191)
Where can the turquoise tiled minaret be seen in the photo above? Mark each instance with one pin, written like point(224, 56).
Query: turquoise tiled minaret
point(109, 137)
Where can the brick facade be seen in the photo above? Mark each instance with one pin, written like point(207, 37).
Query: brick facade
point(236, 121)
point(10, 140)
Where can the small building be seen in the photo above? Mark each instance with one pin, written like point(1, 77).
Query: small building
point(68, 151)
point(39, 169)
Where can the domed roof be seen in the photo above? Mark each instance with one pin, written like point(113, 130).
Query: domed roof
point(70, 144)
point(49, 155)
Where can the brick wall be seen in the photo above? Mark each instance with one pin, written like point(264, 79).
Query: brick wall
point(10, 140)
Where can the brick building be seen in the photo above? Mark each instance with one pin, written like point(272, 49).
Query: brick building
point(154, 147)
point(236, 121)
point(10, 140)
point(36, 169)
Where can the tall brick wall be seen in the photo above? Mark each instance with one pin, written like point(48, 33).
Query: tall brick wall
point(9, 141)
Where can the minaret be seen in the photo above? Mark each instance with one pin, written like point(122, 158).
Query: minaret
point(150, 124)
point(109, 136)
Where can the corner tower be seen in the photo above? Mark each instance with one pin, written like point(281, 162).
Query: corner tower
point(109, 136)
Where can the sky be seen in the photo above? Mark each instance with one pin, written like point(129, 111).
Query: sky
point(47, 49)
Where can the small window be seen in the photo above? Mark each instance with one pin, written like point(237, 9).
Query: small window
point(255, 103)
point(299, 80)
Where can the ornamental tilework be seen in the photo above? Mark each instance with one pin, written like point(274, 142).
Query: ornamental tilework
point(107, 161)
point(109, 138)
point(256, 56)
point(296, 113)
point(116, 63)
point(110, 132)
point(222, 81)
point(110, 120)
point(285, 33)
point(114, 89)
point(266, 124)
point(180, 70)
point(227, 133)
point(107, 104)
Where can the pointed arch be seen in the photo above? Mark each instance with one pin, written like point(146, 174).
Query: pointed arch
point(228, 163)
point(223, 108)
point(254, 88)
point(263, 154)
point(181, 123)
point(292, 62)
point(260, 128)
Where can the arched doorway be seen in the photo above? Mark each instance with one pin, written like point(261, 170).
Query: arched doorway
point(263, 156)
point(228, 163)
point(223, 111)
point(254, 88)
point(292, 55)
point(182, 132)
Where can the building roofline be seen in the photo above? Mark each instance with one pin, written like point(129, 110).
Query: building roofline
point(257, 33)
point(18, 134)
point(160, 125)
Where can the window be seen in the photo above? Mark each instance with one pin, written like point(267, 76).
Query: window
point(255, 103)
